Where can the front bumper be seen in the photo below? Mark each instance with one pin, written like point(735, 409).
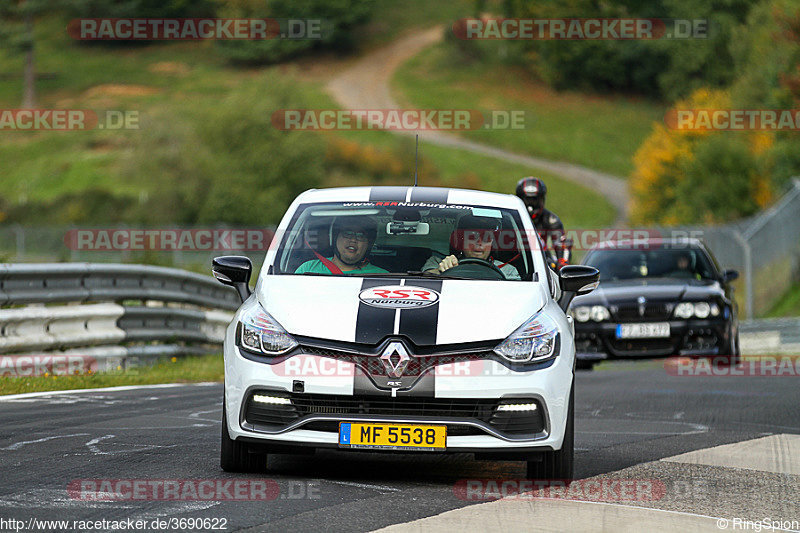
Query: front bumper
point(448, 390)
point(596, 341)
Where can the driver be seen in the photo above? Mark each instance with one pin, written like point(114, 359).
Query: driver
point(353, 237)
point(683, 267)
point(474, 238)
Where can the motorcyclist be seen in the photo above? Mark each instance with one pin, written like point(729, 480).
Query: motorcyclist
point(532, 191)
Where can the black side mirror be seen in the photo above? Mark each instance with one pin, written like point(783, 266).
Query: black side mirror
point(730, 275)
point(233, 270)
point(576, 280)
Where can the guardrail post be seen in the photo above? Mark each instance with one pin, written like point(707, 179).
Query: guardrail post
point(748, 274)
point(19, 233)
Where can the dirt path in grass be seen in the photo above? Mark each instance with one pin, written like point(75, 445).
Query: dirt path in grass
point(366, 83)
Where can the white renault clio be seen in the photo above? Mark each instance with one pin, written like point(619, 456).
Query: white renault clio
point(402, 319)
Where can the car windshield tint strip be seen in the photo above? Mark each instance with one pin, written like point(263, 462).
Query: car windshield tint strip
point(388, 194)
point(433, 196)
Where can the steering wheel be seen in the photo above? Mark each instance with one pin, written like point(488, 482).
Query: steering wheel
point(466, 267)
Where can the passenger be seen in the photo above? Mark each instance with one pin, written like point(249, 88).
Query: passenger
point(353, 237)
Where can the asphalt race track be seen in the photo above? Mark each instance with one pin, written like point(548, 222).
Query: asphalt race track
point(627, 414)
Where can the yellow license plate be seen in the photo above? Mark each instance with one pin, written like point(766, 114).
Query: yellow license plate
point(392, 436)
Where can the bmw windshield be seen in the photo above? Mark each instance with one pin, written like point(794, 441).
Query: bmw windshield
point(411, 239)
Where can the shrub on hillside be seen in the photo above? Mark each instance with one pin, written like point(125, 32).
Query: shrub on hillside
point(665, 68)
point(227, 163)
point(340, 19)
point(380, 166)
point(686, 176)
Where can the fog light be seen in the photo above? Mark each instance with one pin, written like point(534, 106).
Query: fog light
point(517, 407)
point(274, 400)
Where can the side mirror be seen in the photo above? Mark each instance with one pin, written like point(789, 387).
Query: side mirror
point(576, 280)
point(233, 270)
point(730, 275)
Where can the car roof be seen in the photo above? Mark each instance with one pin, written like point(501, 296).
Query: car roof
point(410, 195)
point(646, 242)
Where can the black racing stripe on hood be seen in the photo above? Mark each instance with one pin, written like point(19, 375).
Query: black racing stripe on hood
point(388, 194)
point(421, 325)
point(374, 323)
point(428, 195)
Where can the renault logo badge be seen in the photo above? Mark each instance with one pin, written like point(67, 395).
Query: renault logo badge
point(395, 359)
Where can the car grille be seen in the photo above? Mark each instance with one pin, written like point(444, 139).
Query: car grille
point(643, 346)
point(652, 311)
point(273, 416)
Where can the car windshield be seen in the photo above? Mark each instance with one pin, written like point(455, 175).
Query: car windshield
point(370, 238)
point(621, 264)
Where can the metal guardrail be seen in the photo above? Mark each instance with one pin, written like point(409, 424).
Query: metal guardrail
point(111, 311)
point(770, 336)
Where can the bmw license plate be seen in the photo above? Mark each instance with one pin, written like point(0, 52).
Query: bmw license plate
point(380, 436)
point(651, 330)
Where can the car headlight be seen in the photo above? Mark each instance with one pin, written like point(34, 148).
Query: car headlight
point(582, 313)
point(697, 309)
point(702, 309)
point(533, 341)
point(599, 313)
point(259, 332)
point(684, 310)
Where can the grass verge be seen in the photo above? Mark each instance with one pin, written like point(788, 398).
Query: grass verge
point(787, 305)
point(600, 132)
point(193, 369)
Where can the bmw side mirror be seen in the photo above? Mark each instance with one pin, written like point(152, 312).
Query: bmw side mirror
point(730, 275)
point(234, 270)
point(576, 280)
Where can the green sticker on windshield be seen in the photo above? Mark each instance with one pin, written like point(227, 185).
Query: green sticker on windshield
point(481, 212)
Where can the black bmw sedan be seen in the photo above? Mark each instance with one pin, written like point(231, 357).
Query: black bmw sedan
point(658, 297)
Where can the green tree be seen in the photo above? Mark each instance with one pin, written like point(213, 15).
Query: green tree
point(17, 19)
point(340, 20)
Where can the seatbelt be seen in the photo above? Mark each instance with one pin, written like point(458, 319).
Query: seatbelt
point(325, 261)
point(507, 262)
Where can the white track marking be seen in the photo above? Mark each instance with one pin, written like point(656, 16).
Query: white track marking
point(29, 395)
point(54, 498)
point(365, 486)
point(92, 445)
point(18, 445)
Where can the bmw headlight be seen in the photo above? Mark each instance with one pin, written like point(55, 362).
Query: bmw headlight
point(696, 309)
point(702, 309)
point(582, 313)
point(259, 332)
point(684, 310)
point(533, 341)
point(599, 313)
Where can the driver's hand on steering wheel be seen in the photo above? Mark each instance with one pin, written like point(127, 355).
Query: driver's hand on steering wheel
point(448, 262)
